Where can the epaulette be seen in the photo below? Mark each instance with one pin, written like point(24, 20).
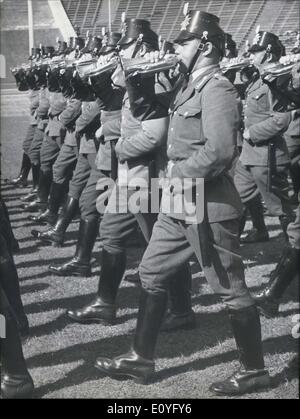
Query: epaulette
point(220, 76)
point(202, 82)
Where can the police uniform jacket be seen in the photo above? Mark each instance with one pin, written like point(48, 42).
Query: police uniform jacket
point(86, 126)
point(58, 103)
point(266, 124)
point(111, 131)
point(33, 105)
point(68, 118)
point(43, 108)
point(140, 145)
point(202, 139)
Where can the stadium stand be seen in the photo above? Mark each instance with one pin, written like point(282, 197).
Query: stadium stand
point(14, 32)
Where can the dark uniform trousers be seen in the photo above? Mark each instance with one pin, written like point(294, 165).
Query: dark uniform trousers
point(265, 125)
point(116, 229)
point(34, 151)
point(65, 163)
point(81, 174)
point(49, 152)
point(90, 194)
point(28, 138)
point(174, 242)
point(253, 180)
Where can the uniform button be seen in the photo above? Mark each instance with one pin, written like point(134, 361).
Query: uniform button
point(169, 146)
point(172, 129)
point(246, 117)
point(175, 113)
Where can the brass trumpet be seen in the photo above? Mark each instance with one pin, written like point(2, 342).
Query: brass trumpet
point(142, 66)
point(84, 68)
point(109, 67)
point(282, 68)
point(236, 63)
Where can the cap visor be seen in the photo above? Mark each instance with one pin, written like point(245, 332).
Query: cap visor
point(256, 48)
point(184, 36)
point(125, 41)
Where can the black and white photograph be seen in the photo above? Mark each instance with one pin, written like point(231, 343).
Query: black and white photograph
point(149, 202)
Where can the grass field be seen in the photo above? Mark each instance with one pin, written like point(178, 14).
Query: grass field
point(61, 355)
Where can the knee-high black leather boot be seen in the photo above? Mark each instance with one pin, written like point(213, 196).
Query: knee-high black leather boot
point(21, 180)
point(50, 215)
point(259, 232)
point(45, 180)
point(35, 179)
point(285, 272)
point(80, 265)
point(56, 235)
point(16, 382)
point(138, 363)
point(252, 375)
point(103, 308)
point(180, 315)
point(10, 285)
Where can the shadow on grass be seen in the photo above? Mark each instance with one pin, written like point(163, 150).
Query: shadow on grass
point(41, 262)
point(113, 346)
point(30, 289)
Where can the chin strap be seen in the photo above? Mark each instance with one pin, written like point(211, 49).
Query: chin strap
point(137, 45)
point(198, 52)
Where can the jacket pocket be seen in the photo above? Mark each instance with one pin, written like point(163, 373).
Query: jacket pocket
point(261, 101)
point(189, 112)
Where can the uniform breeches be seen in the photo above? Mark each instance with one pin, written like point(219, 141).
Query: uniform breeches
point(252, 180)
point(49, 152)
point(34, 151)
point(174, 242)
point(28, 138)
point(81, 174)
point(65, 164)
point(116, 229)
point(90, 194)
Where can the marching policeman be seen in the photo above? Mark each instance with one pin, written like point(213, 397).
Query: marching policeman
point(109, 102)
point(286, 271)
point(139, 144)
point(55, 131)
point(25, 81)
point(204, 119)
point(263, 165)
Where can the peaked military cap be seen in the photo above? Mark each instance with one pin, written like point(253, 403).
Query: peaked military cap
point(110, 41)
point(198, 24)
point(133, 29)
point(266, 41)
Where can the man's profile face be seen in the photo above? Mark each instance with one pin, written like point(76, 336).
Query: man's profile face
point(258, 57)
point(186, 50)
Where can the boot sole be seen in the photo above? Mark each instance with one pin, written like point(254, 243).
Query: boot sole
point(266, 383)
point(253, 242)
point(93, 320)
point(50, 242)
point(123, 377)
point(62, 274)
point(183, 327)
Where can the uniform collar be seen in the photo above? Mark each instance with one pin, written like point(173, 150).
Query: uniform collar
point(196, 84)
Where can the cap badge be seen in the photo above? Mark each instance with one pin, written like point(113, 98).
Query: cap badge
point(256, 39)
point(185, 23)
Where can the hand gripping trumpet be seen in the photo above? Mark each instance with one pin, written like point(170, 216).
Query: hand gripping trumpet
point(285, 66)
point(236, 63)
point(143, 67)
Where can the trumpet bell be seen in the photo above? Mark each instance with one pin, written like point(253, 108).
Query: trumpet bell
point(144, 67)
